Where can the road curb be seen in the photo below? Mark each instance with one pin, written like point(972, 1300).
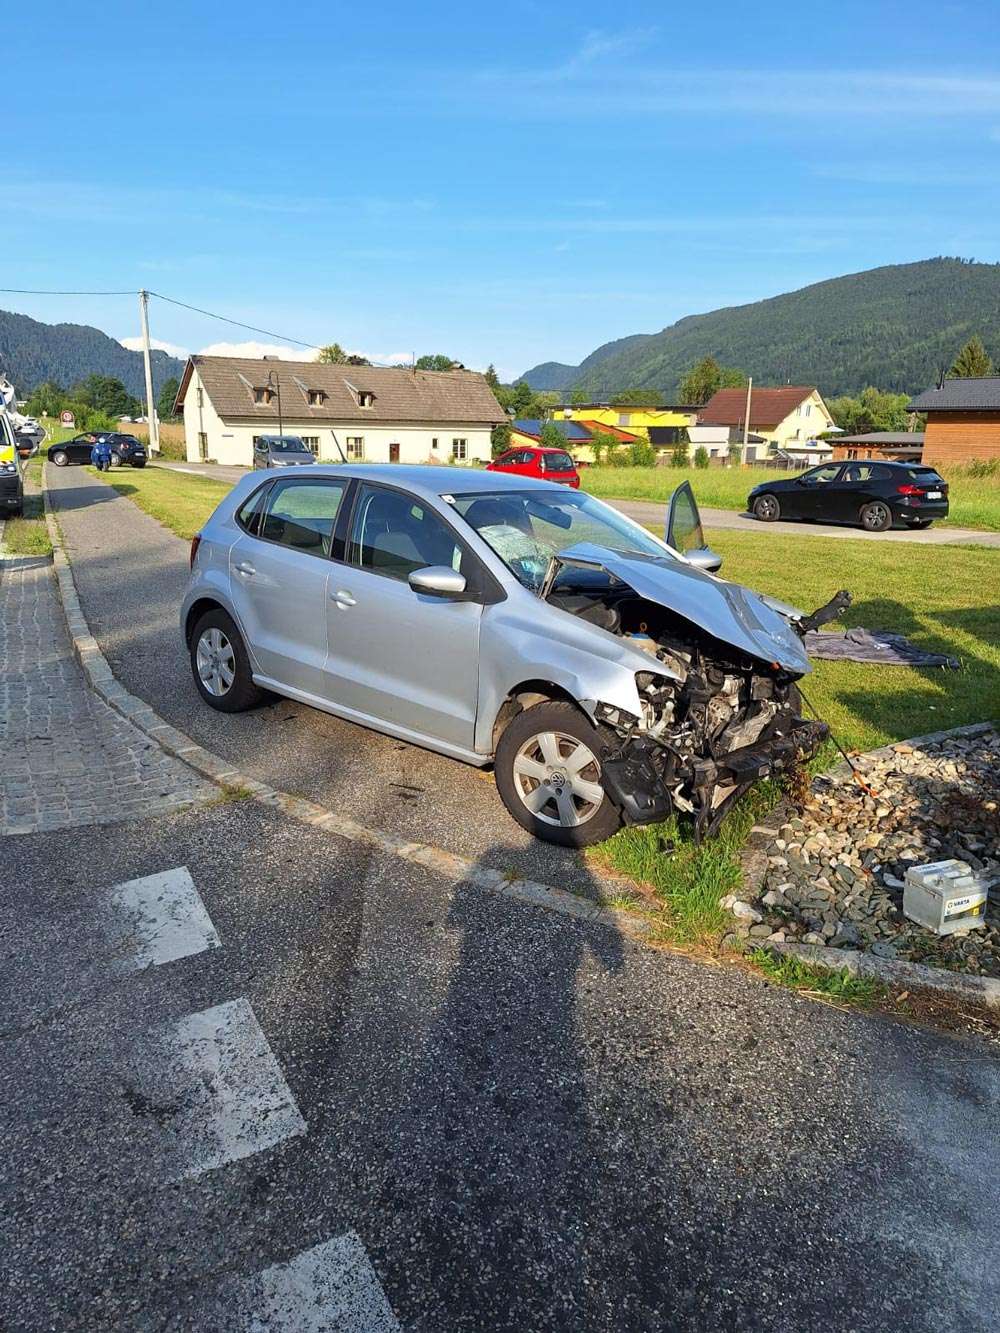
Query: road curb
point(458, 869)
point(894, 972)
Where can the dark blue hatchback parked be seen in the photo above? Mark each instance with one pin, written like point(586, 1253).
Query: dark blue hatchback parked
point(866, 493)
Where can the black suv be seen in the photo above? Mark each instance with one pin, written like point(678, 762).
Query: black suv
point(864, 492)
point(125, 449)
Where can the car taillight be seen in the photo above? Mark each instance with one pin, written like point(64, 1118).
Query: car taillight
point(195, 543)
point(910, 490)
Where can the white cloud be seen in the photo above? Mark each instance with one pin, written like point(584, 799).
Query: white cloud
point(135, 345)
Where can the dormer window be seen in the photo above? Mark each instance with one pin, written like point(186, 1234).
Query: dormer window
point(366, 398)
point(316, 397)
point(263, 394)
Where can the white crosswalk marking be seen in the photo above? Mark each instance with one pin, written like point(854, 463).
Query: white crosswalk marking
point(229, 1095)
point(160, 918)
point(331, 1288)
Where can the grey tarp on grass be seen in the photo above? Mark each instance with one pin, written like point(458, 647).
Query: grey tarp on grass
point(873, 645)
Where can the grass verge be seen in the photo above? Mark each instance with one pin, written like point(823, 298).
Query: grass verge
point(180, 501)
point(28, 535)
point(839, 987)
point(974, 501)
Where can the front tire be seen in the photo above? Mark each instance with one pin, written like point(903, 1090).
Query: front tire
point(548, 773)
point(876, 517)
point(221, 666)
point(60, 458)
point(766, 508)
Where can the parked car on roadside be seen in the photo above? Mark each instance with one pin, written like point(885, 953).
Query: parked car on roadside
point(11, 470)
point(865, 493)
point(500, 619)
point(280, 451)
point(126, 450)
point(538, 461)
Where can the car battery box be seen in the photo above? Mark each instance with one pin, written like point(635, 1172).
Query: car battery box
point(945, 896)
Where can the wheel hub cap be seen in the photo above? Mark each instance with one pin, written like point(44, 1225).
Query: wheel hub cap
point(558, 778)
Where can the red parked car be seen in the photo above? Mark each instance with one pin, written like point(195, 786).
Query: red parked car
point(535, 461)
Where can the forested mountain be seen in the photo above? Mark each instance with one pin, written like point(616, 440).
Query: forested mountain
point(897, 327)
point(32, 352)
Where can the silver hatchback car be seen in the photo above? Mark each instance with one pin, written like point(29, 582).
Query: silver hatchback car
point(608, 677)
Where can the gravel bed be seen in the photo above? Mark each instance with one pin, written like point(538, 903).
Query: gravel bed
point(835, 871)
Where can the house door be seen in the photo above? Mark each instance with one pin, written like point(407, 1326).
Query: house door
point(393, 453)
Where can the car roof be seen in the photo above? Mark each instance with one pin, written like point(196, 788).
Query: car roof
point(435, 479)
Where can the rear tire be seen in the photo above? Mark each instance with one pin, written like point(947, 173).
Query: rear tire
point(766, 508)
point(60, 458)
point(547, 770)
point(876, 517)
point(115, 461)
point(221, 666)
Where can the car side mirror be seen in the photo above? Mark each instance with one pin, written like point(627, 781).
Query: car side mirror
point(438, 581)
point(704, 558)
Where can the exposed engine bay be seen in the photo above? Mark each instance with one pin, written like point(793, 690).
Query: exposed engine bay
point(715, 718)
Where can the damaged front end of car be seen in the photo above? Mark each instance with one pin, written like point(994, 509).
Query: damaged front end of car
point(719, 708)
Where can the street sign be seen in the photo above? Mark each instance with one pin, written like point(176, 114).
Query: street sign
point(67, 419)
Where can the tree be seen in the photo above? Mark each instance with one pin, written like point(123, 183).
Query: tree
point(551, 437)
point(437, 361)
point(165, 402)
point(972, 361)
point(679, 454)
point(578, 397)
point(105, 394)
point(491, 377)
point(46, 400)
point(500, 439)
point(871, 410)
point(707, 377)
point(701, 457)
point(332, 355)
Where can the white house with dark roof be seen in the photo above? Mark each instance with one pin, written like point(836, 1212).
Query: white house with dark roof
point(371, 413)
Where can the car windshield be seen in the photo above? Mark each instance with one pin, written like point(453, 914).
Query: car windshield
point(287, 444)
point(527, 528)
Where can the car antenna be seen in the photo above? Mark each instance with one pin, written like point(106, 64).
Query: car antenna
point(343, 457)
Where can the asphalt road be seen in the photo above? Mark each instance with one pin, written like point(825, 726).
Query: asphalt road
point(514, 1120)
point(653, 515)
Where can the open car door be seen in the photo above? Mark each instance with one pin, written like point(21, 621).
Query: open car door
point(684, 531)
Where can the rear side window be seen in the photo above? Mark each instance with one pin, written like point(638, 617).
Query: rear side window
point(557, 463)
point(249, 516)
point(302, 515)
point(924, 476)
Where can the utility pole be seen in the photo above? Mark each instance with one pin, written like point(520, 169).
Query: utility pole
point(154, 425)
point(746, 419)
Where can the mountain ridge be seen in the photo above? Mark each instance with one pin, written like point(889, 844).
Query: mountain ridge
point(32, 352)
point(898, 327)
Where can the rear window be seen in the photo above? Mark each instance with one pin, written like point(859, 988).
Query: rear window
point(557, 463)
point(924, 476)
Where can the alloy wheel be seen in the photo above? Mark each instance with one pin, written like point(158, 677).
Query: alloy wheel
point(876, 517)
point(766, 507)
point(216, 662)
point(558, 779)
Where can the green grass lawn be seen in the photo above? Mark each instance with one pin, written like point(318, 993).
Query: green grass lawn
point(29, 535)
point(946, 598)
point(974, 501)
point(182, 502)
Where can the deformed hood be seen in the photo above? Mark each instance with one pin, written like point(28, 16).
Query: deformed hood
point(727, 611)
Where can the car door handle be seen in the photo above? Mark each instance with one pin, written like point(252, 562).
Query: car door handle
point(244, 568)
point(343, 598)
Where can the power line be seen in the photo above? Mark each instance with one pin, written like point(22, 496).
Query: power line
point(31, 291)
point(252, 328)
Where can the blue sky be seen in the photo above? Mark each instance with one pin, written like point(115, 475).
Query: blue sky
point(511, 183)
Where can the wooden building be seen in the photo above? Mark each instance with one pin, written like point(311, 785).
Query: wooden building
point(898, 446)
point(963, 420)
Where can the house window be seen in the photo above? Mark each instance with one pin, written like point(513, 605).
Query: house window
point(355, 447)
point(311, 442)
point(201, 398)
point(460, 449)
point(434, 443)
point(365, 398)
point(316, 397)
point(262, 395)
point(808, 409)
point(624, 418)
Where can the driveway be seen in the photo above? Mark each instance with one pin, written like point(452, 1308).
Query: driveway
point(652, 514)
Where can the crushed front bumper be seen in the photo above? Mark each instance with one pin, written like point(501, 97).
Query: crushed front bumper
point(639, 781)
